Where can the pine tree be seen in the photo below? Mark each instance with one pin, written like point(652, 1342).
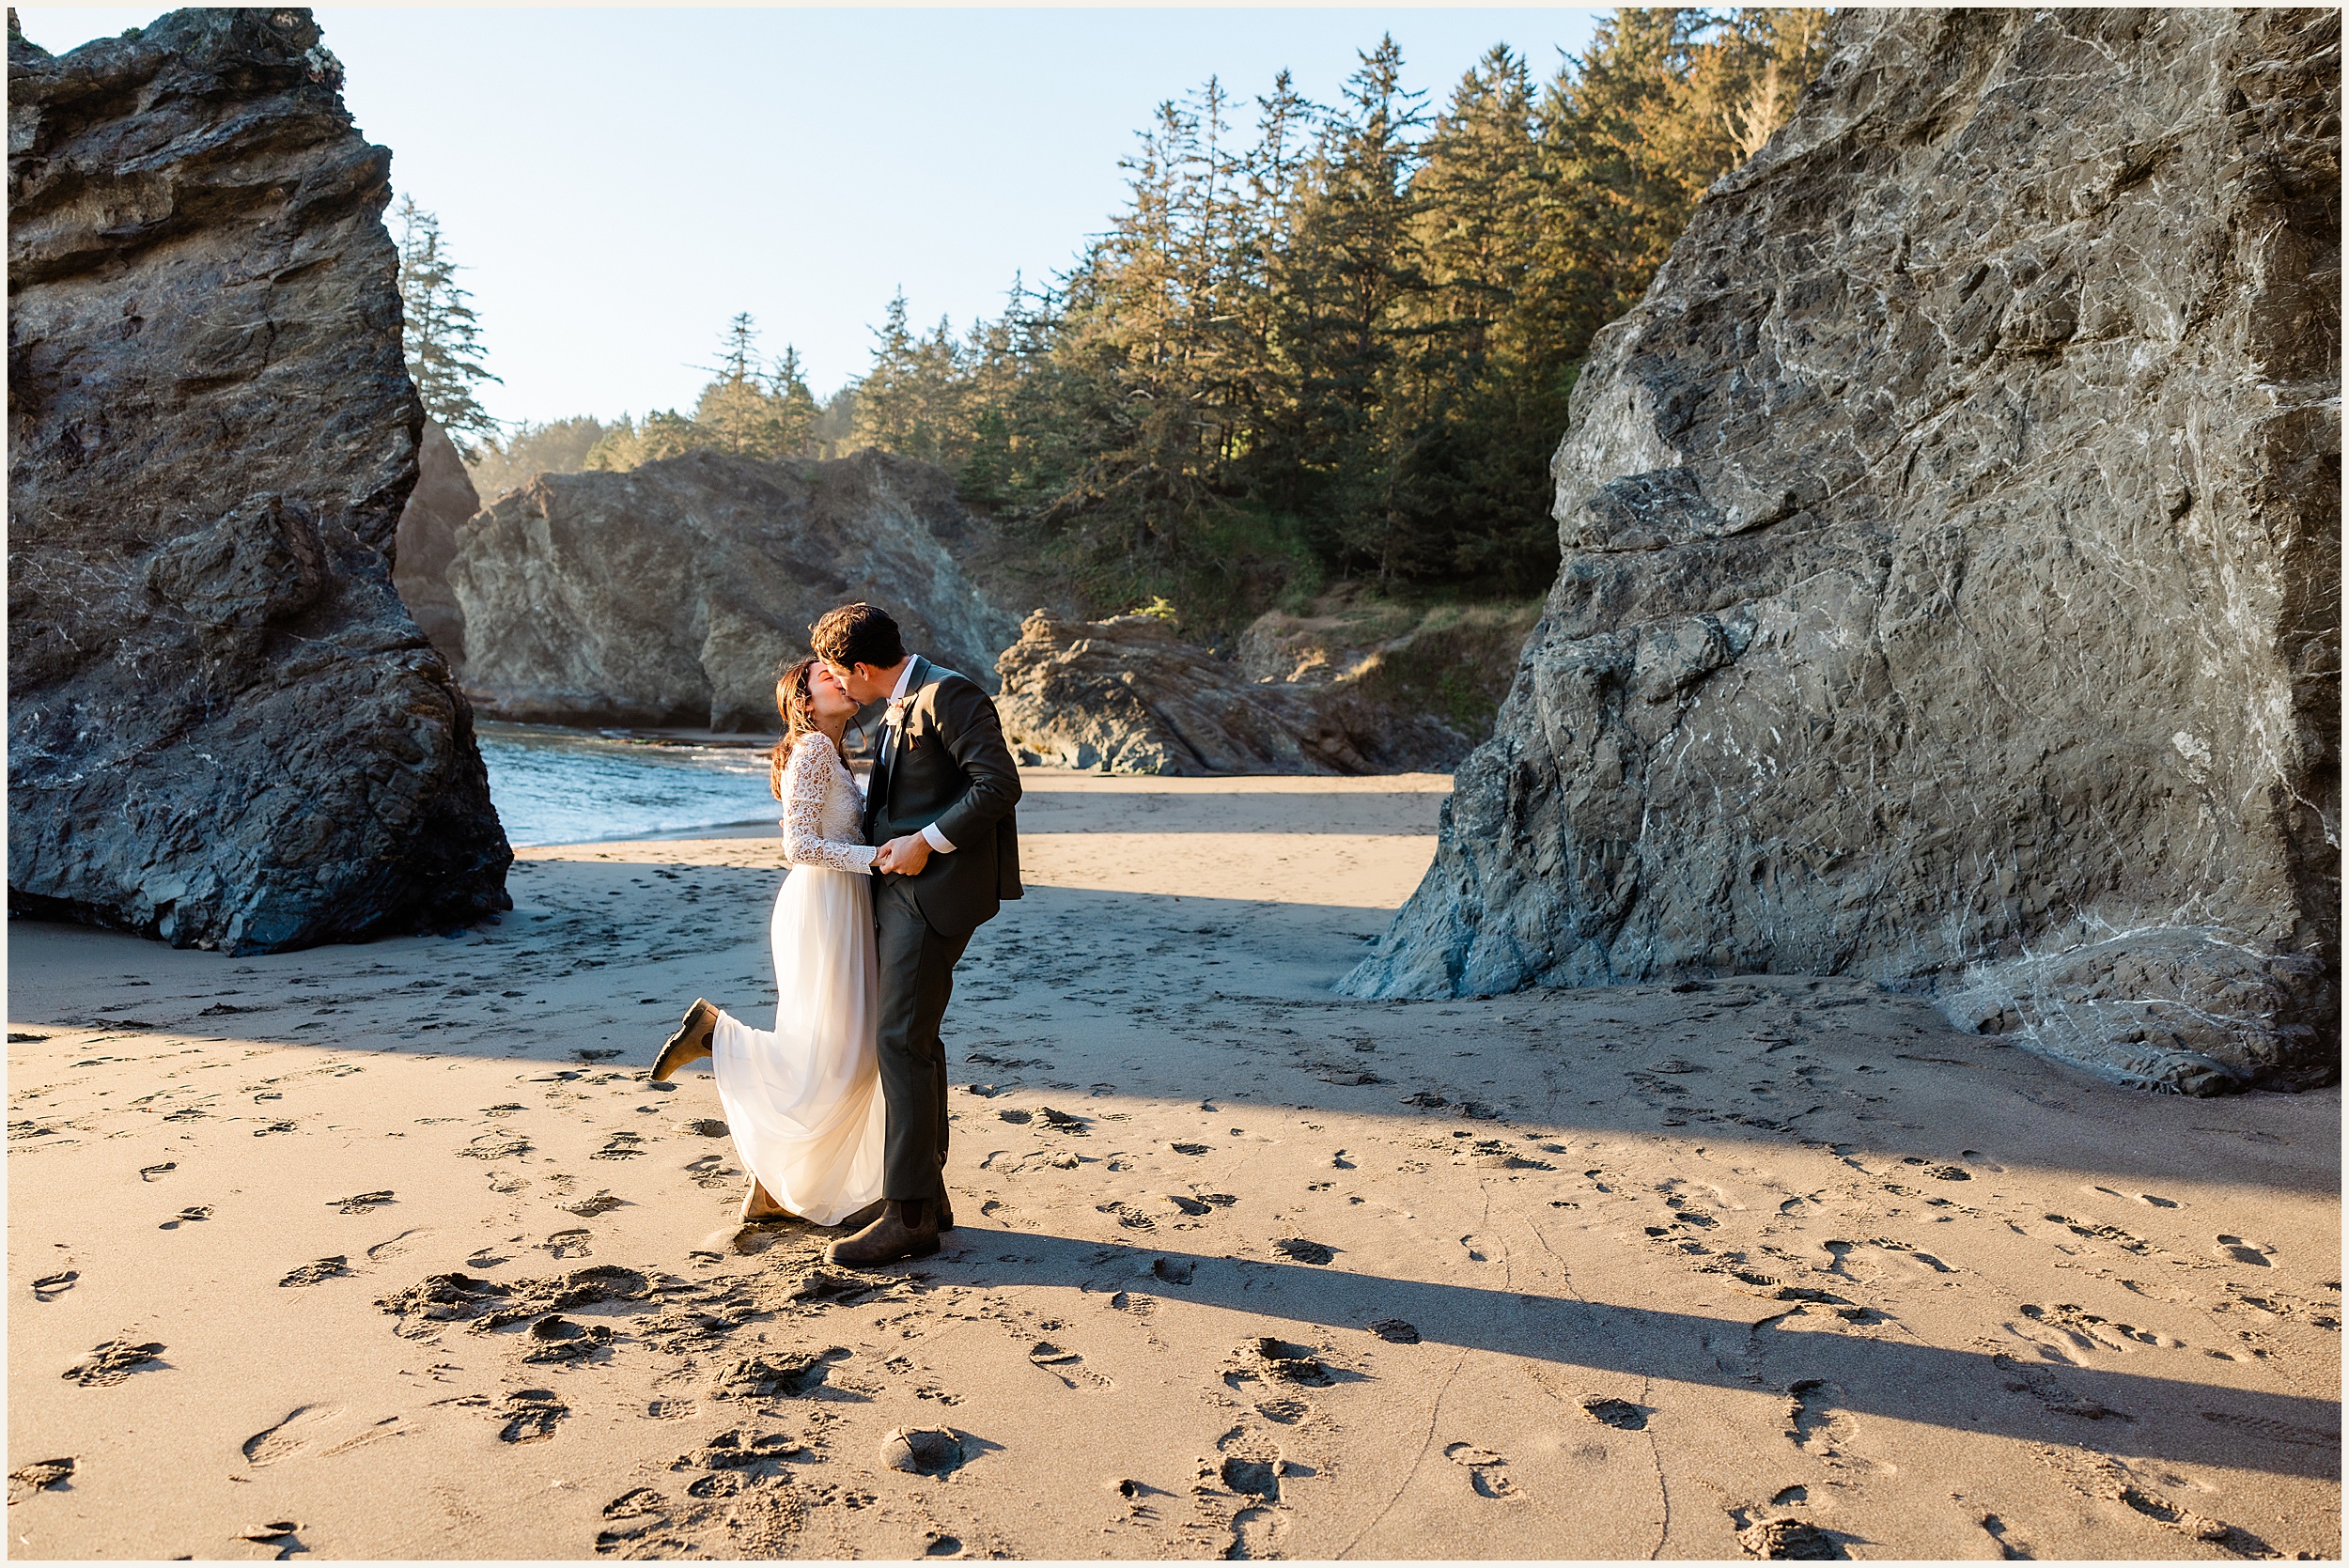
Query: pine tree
point(888, 401)
point(796, 412)
point(739, 411)
point(1364, 269)
point(440, 334)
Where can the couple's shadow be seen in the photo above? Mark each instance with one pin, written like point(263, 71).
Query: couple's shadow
point(1357, 1324)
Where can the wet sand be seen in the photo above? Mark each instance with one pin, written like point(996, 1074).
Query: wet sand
point(396, 1255)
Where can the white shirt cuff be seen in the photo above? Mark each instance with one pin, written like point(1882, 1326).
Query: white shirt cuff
point(938, 840)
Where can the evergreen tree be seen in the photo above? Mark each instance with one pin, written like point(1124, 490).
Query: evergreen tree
point(1344, 347)
point(795, 412)
point(737, 412)
point(440, 334)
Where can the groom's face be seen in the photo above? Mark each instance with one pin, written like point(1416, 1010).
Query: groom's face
point(859, 681)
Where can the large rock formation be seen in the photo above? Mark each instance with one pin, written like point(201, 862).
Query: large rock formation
point(224, 730)
point(671, 594)
point(426, 542)
point(1126, 695)
point(1951, 588)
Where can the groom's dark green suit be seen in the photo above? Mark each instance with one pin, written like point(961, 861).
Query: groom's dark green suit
point(941, 761)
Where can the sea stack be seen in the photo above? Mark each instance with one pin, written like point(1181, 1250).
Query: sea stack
point(674, 594)
point(1950, 579)
point(224, 730)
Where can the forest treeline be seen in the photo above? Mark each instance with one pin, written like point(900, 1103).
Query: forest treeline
point(1319, 342)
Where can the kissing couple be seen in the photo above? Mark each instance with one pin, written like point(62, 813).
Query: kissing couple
point(885, 890)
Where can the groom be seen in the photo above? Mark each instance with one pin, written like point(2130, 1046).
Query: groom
point(939, 806)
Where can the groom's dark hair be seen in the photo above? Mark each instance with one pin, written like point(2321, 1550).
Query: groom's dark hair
point(857, 634)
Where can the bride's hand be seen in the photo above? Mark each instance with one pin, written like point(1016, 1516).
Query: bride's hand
point(904, 856)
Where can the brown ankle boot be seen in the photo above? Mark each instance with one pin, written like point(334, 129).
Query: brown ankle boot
point(945, 1205)
point(691, 1042)
point(908, 1228)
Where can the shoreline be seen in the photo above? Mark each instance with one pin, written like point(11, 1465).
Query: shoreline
point(1564, 1273)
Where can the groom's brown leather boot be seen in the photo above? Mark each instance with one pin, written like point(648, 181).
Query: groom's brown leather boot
point(908, 1228)
point(691, 1042)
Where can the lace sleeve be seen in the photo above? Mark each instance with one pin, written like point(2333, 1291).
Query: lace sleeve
point(806, 783)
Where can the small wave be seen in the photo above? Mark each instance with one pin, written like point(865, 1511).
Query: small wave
point(556, 786)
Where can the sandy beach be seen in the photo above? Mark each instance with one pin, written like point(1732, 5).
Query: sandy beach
point(391, 1251)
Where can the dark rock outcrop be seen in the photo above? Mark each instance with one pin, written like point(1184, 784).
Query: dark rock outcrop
point(426, 542)
point(1126, 695)
point(671, 594)
point(224, 729)
point(1951, 591)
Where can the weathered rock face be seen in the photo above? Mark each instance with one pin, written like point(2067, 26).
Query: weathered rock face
point(426, 542)
point(674, 593)
point(224, 729)
point(1950, 587)
point(1126, 695)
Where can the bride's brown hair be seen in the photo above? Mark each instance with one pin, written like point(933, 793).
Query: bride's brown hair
point(798, 718)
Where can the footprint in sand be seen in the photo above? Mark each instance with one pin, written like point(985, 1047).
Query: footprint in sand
point(529, 1415)
point(495, 1145)
point(38, 1477)
point(1812, 1423)
point(572, 1243)
point(601, 1201)
point(111, 1363)
point(359, 1202)
point(288, 1436)
point(2241, 1250)
point(2084, 1330)
point(318, 1272)
point(382, 1250)
point(1486, 1472)
point(50, 1286)
point(150, 1172)
point(1781, 1539)
point(1620, 1414)
point(187, 1216)
point(2021, 1377)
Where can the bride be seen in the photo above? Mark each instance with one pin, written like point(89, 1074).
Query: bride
point(803, 1100)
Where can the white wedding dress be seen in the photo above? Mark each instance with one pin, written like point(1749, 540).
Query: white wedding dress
point(803, 1100)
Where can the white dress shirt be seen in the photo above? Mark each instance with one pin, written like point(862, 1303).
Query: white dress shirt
point(896, 717)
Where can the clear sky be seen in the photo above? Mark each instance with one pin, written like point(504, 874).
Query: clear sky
point(619, 182)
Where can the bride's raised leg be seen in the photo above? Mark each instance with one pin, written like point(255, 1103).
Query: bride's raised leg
point(689, 1043)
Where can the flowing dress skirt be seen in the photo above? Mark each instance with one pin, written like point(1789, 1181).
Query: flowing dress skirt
point(803, 1100)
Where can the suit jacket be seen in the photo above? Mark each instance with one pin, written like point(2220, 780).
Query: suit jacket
point(946, 763)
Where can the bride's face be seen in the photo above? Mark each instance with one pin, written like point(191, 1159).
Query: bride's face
point(825, 695)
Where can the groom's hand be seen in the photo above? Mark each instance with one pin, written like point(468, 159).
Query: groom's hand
point(905, 856)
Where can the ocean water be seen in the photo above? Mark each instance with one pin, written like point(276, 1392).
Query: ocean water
point(573, 787)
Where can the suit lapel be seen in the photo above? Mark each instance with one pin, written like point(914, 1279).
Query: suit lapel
point(892, 736)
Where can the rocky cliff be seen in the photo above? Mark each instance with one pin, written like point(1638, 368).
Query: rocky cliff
point(442, 500)
point(1951, 588)
point(1126, 695)
point(224, 729)
point(671, 594)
